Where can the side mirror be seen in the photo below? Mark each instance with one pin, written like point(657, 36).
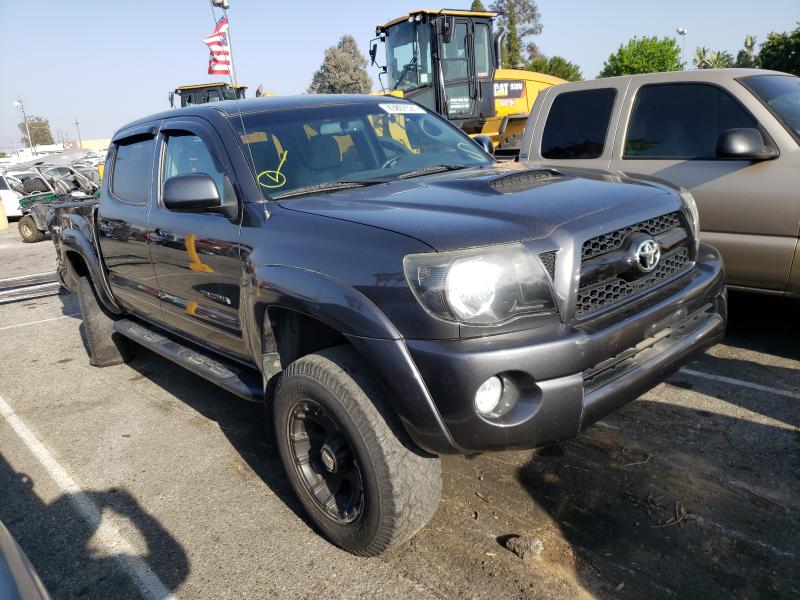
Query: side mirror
point(448, 29)
point(194, 192)
point(172, 99)
point(373, 52)
point(744, 143)
point(485, 142)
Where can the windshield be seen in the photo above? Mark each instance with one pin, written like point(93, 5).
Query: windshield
point(324, 146)
point(781, 93)
point(408, 56)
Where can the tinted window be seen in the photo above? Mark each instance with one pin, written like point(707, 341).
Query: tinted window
point(189, 154)
point(682, 120)
point(3, 184)
point(577, 124)
point(781, 93)
point(133, 168)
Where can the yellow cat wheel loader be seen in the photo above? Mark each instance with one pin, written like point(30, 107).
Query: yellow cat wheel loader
point(450, 61)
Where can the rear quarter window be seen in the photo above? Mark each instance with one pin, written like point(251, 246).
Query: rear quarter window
point(577, 124)
point(133, 170)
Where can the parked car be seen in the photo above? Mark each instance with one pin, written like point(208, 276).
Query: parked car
point(389, 292)
point(731, 137)
point(18, 578)
point(9, 196)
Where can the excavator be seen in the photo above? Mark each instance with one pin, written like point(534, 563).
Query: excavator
point(450, 61)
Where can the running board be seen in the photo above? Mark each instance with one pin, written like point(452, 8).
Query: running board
point(233, 378)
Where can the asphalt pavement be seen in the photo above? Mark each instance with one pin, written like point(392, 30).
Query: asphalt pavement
point(144, 481)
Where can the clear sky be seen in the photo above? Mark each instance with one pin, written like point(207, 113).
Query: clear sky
point(108, 62)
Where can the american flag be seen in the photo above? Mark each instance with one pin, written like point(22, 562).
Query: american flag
point(219, 62)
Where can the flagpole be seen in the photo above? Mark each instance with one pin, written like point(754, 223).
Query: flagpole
point(230, 42)
point(223, 4)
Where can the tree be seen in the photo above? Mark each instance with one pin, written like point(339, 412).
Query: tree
point(747, 56)
point(781, 52)
point(700, 59)
point(557, 66)
point(3, 154)
point(40, 131)
point(477, 5)
point(520, 18)
point(343, 70)
point(644, 55)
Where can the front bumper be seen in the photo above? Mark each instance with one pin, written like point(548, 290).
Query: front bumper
point(570, 376)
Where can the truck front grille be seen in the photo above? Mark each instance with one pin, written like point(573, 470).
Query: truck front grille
point(608, 280)
point(608, 242)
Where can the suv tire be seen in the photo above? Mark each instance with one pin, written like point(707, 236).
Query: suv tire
point(106, 347)
point(331, 397)
point(28, 230)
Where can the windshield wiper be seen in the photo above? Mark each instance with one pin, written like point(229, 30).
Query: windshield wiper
point(322, 188)
point(430, 170)
point(406, 71)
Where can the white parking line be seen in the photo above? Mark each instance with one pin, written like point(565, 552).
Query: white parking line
point(146, 581)
point(31, 276)
point(739, 382)
point(40, 321)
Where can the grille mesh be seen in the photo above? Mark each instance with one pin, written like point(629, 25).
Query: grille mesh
point(518, 182)
point(610, 291)
point(549, 261)
point(608, 242)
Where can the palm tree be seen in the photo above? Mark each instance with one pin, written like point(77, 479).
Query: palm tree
point(719, 59)
point(701, 58)
point(747, 56)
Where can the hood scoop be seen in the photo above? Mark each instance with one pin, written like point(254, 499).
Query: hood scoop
point(524, 180)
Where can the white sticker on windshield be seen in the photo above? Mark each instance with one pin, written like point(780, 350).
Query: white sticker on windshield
point(402, 109)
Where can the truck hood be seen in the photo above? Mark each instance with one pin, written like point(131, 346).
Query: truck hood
point(502, 203)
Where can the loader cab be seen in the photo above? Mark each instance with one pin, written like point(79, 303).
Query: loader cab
point(444, 60)
point(190, 95)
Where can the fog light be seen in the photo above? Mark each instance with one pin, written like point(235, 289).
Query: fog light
point(488, 395)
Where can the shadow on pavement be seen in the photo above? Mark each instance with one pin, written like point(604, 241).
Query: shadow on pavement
point(663, 500)
point(242, 422)
point(57, 540)
point(767, 324)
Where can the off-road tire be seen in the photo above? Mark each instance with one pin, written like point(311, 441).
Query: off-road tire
point(401, 483)
point(106, 347)
point(28, 230)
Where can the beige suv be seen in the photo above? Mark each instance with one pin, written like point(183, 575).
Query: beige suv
point(730, 136)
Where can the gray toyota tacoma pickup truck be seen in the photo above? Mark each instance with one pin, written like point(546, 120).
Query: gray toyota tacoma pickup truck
point(388, 290)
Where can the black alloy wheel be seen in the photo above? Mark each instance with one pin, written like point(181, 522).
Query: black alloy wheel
point(325, 462)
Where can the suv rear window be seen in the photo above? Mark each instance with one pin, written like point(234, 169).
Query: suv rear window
point(133, 167)
point(578, 124)
point(682, 120)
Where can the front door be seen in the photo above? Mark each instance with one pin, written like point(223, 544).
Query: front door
point(672, 133)
point(196, 254)
point(457, 69)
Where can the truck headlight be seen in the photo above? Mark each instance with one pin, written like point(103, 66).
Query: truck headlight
point(694, 216)
point(483, 286)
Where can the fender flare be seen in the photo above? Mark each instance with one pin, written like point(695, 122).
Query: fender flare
point(352, 314)
point(75, 241)
point(321, 296)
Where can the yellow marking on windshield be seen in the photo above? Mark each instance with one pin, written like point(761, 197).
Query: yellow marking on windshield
point(275, 179)
point(470, 151)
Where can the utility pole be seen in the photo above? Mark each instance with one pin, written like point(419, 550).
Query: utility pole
point(681, 31)
point(78, 129)
point(21, 106)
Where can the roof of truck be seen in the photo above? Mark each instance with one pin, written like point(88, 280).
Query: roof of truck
point(229, 108)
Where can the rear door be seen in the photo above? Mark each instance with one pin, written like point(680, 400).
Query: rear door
point(670, 130)
point(196, 254)
point(574, 125)
point(122, 221)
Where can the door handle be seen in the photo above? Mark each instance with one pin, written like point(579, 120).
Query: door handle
point(158, 235)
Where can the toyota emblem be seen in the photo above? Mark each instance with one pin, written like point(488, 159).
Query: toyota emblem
point(647, 255)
